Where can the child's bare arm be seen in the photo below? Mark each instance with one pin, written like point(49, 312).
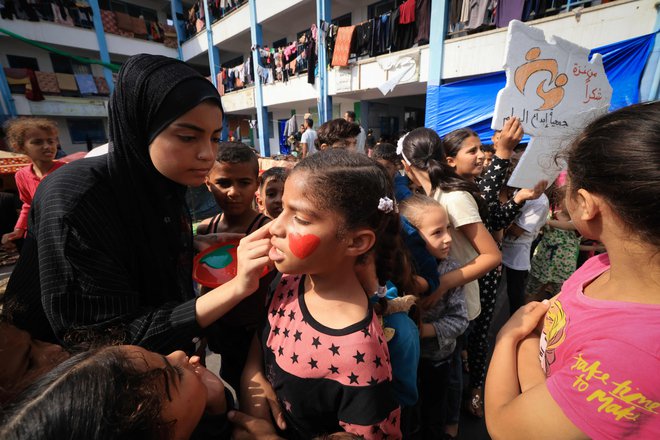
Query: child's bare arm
point(530, 372)
point(257, 396)
point(510, 413)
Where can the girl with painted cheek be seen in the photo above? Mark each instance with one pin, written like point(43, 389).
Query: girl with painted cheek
point(597, 376)
point(321, 364)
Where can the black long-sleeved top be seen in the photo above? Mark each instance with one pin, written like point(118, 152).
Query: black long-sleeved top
point(500, 215)
point(82, 267)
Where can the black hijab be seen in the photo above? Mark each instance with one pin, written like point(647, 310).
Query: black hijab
point(151, 92)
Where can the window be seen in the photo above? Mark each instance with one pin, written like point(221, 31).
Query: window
point(233, 63)
point(62, 64)
point(344, 20)
point(85, 130)
point(382, 7)
point(280, 43)
point(19, 62)
point(130, 9)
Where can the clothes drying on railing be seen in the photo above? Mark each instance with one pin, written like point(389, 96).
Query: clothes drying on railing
point(399, 29)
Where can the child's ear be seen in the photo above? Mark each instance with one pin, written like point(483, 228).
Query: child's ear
point(260, 202)
point(590, 205)
point(451, 162)
point(207, 182)
point(360, 242)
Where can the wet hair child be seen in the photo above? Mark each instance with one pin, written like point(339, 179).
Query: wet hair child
point(233, 180)
point(37, 139)
point(321, 352)
point(338, 133)
point(597, 376)
point(442, 323)
point(271, 188)
point(128, 392)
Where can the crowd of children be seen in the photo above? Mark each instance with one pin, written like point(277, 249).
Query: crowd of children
point(364, 288)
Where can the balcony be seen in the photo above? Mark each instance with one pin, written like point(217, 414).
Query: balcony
point(125, 35)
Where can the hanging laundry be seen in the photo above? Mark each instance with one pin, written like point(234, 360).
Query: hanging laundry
point(364, 37)
point(343, 45)
point(407, 12)
point(423, 20)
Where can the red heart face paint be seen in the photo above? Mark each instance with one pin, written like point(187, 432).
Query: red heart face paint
point(302, 246)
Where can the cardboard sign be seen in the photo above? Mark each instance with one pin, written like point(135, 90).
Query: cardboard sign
point(554, 90)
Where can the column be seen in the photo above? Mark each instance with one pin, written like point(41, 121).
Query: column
point(178, 19)
point(8, 100)
point(262, 112)
point(100, 38)
point(213, 52)
point(325, 101)
point(439, 14)
point(650, 84)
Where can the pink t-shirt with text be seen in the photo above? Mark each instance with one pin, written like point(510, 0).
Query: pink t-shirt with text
point(602, 360)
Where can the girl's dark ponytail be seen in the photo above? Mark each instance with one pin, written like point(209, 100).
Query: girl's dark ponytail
point(424, 150)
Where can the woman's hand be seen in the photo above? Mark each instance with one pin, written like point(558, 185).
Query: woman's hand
point(524, 321)
point(252, 256)
point(203, 242)
point(9, 238)
point(215, 388)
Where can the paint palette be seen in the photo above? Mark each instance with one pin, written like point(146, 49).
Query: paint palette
point(217, 264)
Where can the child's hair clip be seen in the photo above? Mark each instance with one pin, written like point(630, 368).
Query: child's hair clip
point(386, 205)
point(381, 291)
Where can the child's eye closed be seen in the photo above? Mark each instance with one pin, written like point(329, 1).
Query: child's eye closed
point(300, 221)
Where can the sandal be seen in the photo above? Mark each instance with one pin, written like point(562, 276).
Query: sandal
point(476, 403)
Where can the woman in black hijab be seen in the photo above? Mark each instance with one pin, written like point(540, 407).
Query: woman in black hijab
point(110, 245)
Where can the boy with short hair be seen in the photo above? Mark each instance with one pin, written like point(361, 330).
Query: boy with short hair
point(338, 133)
point(271, 189)
point(233, 180)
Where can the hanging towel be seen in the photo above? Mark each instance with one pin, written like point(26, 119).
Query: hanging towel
point(343, 45)
point(66, 82)
point(407, 12)
point(86, 84)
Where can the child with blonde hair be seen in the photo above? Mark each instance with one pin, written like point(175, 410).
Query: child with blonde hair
point(37, 139)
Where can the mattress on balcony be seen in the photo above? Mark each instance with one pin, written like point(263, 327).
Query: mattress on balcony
point(48, 82)
point(66, 82)
point(109, 20)
point(124, 22)
point(86, 84)
point(139, 27)
point(101, 86)
point(168, 30)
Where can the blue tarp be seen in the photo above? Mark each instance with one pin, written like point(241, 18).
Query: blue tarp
point(470, 103)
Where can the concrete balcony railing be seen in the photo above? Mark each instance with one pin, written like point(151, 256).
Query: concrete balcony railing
point(82, 38)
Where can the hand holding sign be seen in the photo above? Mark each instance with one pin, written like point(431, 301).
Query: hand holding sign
point(554, 90)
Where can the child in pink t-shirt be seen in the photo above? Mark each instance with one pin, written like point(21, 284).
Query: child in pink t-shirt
point(600, 340)
point(37, 139)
